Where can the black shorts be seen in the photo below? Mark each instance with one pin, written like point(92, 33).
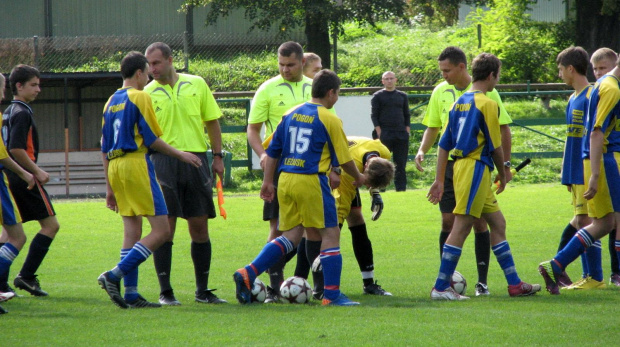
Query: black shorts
point(357, 201)
point(187, 190)
point(448, 200)
point(271, 210)
point(33, 204)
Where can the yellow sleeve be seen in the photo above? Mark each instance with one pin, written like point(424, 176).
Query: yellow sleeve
point(259, 110)
point(608, 98)
point(490, 111)
point(336, 134)
point(432, 116)
point(504, 117)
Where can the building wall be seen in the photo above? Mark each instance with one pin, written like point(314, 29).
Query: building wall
point(544, 10)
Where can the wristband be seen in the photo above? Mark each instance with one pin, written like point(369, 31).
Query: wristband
point(218, 154)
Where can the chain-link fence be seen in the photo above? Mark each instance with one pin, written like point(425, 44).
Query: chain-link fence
point(238, 64)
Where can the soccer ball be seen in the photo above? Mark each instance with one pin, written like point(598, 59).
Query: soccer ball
point(458, 283)
point(295, 290)
point(259, 291)
point(316, 265)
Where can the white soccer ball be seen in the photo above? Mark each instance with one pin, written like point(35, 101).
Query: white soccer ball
point(316, 265)
point(259, 291)
point(458, 283)
point(295, 290)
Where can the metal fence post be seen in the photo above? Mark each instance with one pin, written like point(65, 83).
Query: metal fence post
point(186, 49)
point(35, 40)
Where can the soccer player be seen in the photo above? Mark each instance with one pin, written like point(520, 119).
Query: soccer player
point(22, 141)
point(603, 60)
point(372, 158)
point(10, 218)
point(272, 99)
point(473, 135)
point(307, 142)
point(312, 65)
point(601, 163)
point(185, 107)
point(130, 128)
point(453, 65)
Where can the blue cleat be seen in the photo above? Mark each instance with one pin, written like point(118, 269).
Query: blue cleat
point(244, 289)
point(342, 300)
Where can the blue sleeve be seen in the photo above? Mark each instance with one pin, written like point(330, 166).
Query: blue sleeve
point(275, 147)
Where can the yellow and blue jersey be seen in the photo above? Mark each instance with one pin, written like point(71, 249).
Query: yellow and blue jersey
point(129, 123)
point(576, 110)
point(309, 140)
point(473, 128)
point(603, 113)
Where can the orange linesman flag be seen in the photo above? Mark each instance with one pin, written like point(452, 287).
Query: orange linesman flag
point(220, 198)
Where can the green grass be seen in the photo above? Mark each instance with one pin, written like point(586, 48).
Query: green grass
point(78, 312)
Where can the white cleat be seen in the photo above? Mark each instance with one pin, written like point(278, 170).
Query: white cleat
point(448, 294)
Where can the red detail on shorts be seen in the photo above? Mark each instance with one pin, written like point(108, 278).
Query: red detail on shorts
point(48, 204)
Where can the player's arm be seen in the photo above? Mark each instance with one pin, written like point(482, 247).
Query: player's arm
point(350, 168)
point(375, 111)
point(22, 158)
point(215, 139)
point(110, 198)
point(498, 160)
point(436, 191)
point(596, 154)
point(506, 148)
point(23, 174)
point(428, 139)
point(256, 143)
point(267, 190)
point(162, 147)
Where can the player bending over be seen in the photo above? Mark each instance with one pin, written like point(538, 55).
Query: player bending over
point(308, 141)
point(473, 135)
point(129, 129)
point(371, 158)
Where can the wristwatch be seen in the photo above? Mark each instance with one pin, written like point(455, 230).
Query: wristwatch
point(337, 170)
point(507, 164)
point(218, 154)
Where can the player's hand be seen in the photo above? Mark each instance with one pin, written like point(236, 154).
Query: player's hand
point(110, 201)
point(191, 159)
point(500, 182)
point(263, 160)
point(334, 180)
point(360, 180)
point(508, 173)
point(28, 178)
point(435, 193)
point(217, 167)
point(592, 188)
point(42, 176)
point(377, 204)
point(267, 191)
point(419, 158)
point(569, 187)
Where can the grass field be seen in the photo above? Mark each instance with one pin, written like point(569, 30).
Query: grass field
point(78, 312)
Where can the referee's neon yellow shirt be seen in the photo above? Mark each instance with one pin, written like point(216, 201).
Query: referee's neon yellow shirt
point(182, 111)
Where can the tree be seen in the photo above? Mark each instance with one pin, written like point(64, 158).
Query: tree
point(597, 24)
point(317, 16)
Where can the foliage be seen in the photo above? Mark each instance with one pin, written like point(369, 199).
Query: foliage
point(527, 48)
point(404, 240)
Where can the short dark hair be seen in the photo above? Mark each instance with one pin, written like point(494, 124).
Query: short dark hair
point(166, 52)
point(379, 173)
point(575, 56)
point(454, 54)
point(133, 62)
point(291, 47)
point(324, 81)
point(484, 65)
point(22, 74)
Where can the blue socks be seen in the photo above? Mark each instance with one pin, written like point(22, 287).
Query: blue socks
point(331, 260)
point(271, 253)
point(506, 262)
point(130, 280)
point(136, 256)
point(577, 245)
point(449, 259)
point(8, 253)
point(595, 266)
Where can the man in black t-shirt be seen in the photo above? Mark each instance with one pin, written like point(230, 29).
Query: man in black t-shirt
point(391, 118)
